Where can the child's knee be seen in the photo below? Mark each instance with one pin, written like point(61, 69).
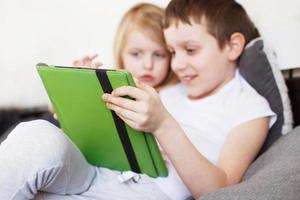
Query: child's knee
point(34, 126)
point(40, 139)
point(40, 130)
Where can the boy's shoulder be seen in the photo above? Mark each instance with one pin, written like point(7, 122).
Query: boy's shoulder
point(172, 94)
point(245, 98)
point(245, 89)
point(241, 91)
point(176, 89)
point(245, 103)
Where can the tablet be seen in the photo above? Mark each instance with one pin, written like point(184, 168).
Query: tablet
point(103, 138)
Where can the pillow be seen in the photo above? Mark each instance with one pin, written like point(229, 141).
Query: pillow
point(258, 65)
point(273, 176)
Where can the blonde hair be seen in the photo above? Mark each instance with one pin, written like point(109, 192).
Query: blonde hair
point(147, 18)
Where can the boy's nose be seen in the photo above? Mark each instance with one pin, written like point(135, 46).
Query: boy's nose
point(177, 63)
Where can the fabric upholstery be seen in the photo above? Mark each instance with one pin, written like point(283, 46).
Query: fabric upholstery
point(261, 72)
point(275, 175)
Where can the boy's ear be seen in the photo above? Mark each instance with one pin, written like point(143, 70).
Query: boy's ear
point(236, 46)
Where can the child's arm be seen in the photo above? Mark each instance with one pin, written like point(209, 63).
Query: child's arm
point(148, 114)
point(202, 176)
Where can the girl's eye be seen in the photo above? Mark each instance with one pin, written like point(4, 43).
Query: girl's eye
point(159, 55)
point(135, 54)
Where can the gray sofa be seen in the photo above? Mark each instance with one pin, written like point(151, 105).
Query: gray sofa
point(275, 174)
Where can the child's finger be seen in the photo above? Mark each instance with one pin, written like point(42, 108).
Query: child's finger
point(86, 59)
point(50, 109)
point(124, 113)
point(125, 103)
point(97, 65)
point(131, 123)
point(133, 92)
point(145, 87)
point(93, 56)
point(76, 63)
point(136, 81)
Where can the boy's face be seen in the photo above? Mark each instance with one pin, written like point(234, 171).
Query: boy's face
point(202, 67)
point(146, 59)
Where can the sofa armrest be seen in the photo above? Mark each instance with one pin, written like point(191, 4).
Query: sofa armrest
point(274, 175)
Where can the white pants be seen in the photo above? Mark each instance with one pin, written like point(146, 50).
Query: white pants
point(38, 161)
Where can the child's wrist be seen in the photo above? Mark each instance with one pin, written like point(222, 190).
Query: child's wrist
point(166, 125)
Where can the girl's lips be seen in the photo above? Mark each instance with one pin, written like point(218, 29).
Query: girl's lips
point(146, 78)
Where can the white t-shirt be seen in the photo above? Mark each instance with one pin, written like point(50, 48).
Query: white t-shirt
point(207, 122)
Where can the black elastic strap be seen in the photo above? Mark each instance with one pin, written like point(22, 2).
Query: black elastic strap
point(120, 125)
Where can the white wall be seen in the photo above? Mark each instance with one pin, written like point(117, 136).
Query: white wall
point(279, 24)
point(59, 31)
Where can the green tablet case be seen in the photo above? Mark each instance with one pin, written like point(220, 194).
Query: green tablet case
point(103, 138)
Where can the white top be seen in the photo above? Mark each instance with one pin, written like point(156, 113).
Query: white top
point(207, 122)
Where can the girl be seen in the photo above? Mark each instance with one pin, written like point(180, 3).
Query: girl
point(140, 47)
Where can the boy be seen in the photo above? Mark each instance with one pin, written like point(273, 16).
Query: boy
point(210, 126)
point(213, 149)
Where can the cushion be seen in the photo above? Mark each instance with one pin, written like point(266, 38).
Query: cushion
point(258, 65)
point(274, 175)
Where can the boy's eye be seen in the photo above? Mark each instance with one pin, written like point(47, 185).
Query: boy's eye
point(191, 51)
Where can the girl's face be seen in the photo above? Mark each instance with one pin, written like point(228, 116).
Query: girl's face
point(201, 66)
point(146, 59)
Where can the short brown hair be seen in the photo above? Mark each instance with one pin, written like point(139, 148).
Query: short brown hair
point(222, 17)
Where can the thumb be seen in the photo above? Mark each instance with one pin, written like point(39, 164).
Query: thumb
point(139, 84)
point(145, 87)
